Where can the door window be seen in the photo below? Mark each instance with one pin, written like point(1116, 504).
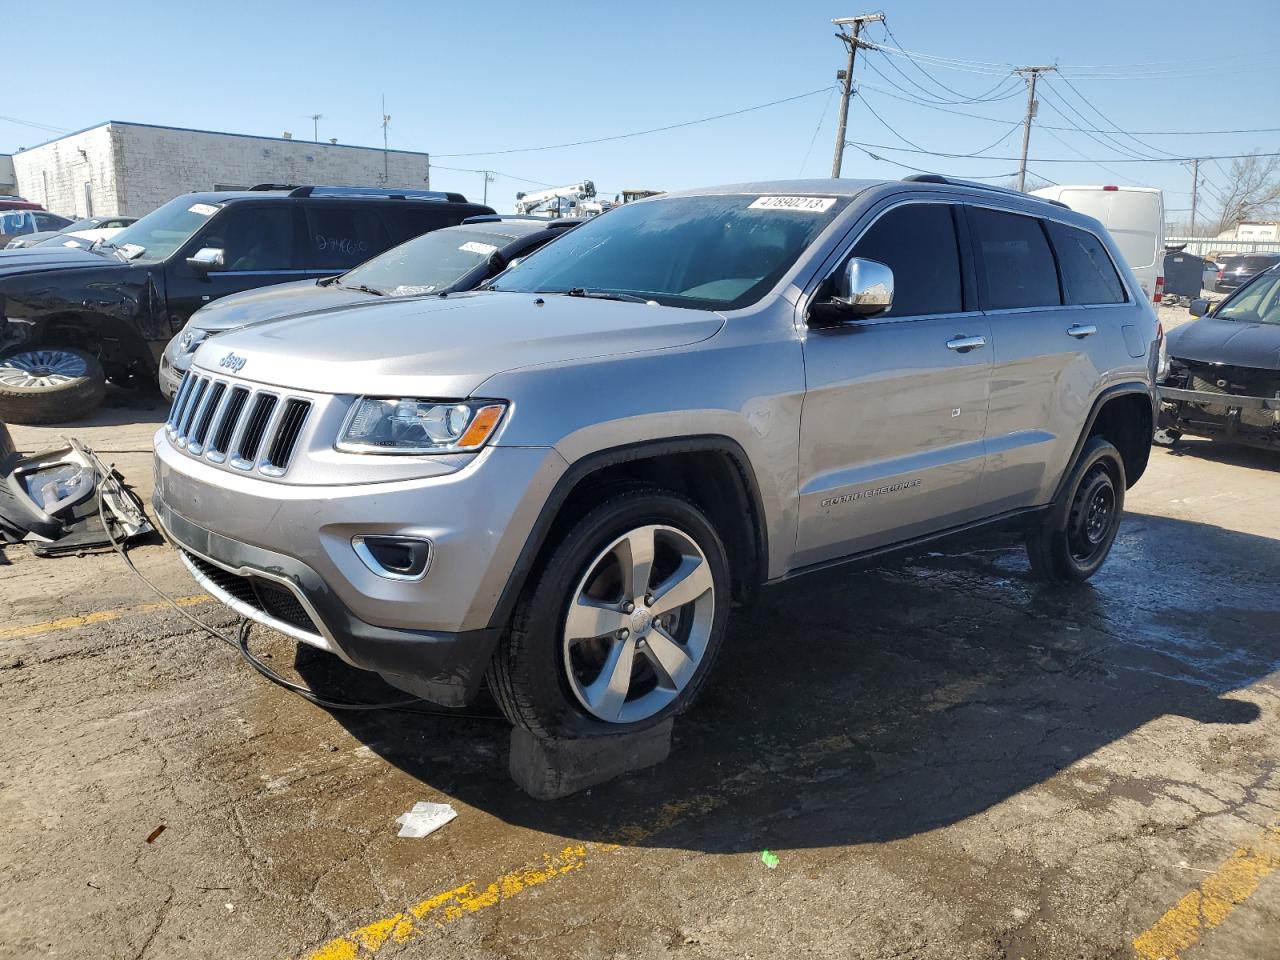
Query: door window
point(253, 237)
point(339, 237)
point(917, 242)
point(1088, 275)
point(1015, 264)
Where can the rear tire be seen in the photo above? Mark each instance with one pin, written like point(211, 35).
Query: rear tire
point(593, 648)
point(49, 385)
point(1073, 539)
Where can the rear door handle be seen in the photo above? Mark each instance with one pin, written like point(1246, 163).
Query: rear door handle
point(965, 344)
point(1081, 330)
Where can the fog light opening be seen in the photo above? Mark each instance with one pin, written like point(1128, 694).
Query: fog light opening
point(394, 558)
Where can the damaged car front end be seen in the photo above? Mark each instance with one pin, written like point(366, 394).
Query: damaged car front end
point(1223, 380)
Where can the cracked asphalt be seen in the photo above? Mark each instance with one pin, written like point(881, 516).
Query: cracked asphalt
point(948, 761)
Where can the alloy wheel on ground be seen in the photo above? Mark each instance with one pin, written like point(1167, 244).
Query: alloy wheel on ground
point(638, 624)
point(41, 368)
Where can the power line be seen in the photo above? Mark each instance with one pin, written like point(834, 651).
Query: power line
point(47, 128)
point(934, 79)
point(939, 153)
point(1043, 126)
point(499, 173)
point(977, 153)
point(1086, 159)
point(637, 133)
point(1100, 137)
point(1105, 119)
point(907, 166)
point(822, 118)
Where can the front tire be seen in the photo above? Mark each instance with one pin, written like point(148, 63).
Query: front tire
point(1073, 540)
point(50, 385)
point(619, 628)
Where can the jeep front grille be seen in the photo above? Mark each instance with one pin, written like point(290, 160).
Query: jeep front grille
point(236, 425)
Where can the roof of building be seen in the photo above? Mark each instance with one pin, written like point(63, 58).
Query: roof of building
point(216, 133)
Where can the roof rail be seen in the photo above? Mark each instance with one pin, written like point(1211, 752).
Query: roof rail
point(958, 182)
point(562, 222)
point(274, 186)
point(379, 192)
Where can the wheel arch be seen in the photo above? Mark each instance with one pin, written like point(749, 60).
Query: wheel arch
point(712, 470)
point(1123, 414)
point(110, 339)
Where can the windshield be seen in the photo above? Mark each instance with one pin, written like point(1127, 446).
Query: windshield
point(162, 231)
point(88, 224)
point(1259, 302)
point(710, 253)
point(425, 264)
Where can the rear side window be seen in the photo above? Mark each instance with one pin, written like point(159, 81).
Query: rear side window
point(917, 242)
point(1015, 265)
point(340, 236)
point(1088, 275)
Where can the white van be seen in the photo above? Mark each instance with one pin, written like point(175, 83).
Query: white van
point(1134, 216)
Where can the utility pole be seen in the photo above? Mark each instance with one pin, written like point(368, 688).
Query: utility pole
point(386, 119)
point(315, 126)
point(1029, 74)
point(488, 179)
point(1195, 189)
point(845, 77)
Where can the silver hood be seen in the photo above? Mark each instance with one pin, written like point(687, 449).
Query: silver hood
point(268, 303)
point(444, 348)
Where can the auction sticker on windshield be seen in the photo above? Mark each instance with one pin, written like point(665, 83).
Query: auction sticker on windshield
point(204, 209)
point(472, 246)
point(804, 204)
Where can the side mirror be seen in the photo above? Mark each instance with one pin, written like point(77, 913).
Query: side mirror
point(862, 288)
point(1198, 307)
point(515, 262)
point(207, 259)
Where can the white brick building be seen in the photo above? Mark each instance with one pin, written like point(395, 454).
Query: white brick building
point(132, 168)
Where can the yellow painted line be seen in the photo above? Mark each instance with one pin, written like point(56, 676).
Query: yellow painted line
point(1202, 909)
point(101, 616)
point(441, 909)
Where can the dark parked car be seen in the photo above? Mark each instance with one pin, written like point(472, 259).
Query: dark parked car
point(1224, 369)
point(17, 223)
point(1235, 270)
point(449, 260)
point(69, 319)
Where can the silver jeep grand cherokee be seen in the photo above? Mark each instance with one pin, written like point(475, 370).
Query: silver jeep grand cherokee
point(561, 482)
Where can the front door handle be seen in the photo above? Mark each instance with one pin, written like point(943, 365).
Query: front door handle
point(965, 344)
point(1081, 330)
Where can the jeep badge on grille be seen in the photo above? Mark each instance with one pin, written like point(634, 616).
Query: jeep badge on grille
point(232, 362)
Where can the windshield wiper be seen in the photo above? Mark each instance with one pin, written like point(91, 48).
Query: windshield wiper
point(362, 288)
point(604, 295)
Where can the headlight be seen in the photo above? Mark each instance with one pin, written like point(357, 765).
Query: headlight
point(400, 425)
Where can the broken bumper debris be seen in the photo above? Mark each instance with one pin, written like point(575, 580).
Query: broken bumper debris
point(51, 500)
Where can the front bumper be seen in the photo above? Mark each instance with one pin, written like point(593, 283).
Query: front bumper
point(282, 554)
point(171, 371)
point(1240, 419)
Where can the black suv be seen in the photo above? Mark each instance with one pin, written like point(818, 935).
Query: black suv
point(445, 261)
point(71, 318)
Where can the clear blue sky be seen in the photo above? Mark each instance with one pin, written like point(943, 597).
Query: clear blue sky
point(467, 77)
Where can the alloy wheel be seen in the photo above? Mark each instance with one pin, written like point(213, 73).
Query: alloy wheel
point(41, 368)
point(638, 624)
